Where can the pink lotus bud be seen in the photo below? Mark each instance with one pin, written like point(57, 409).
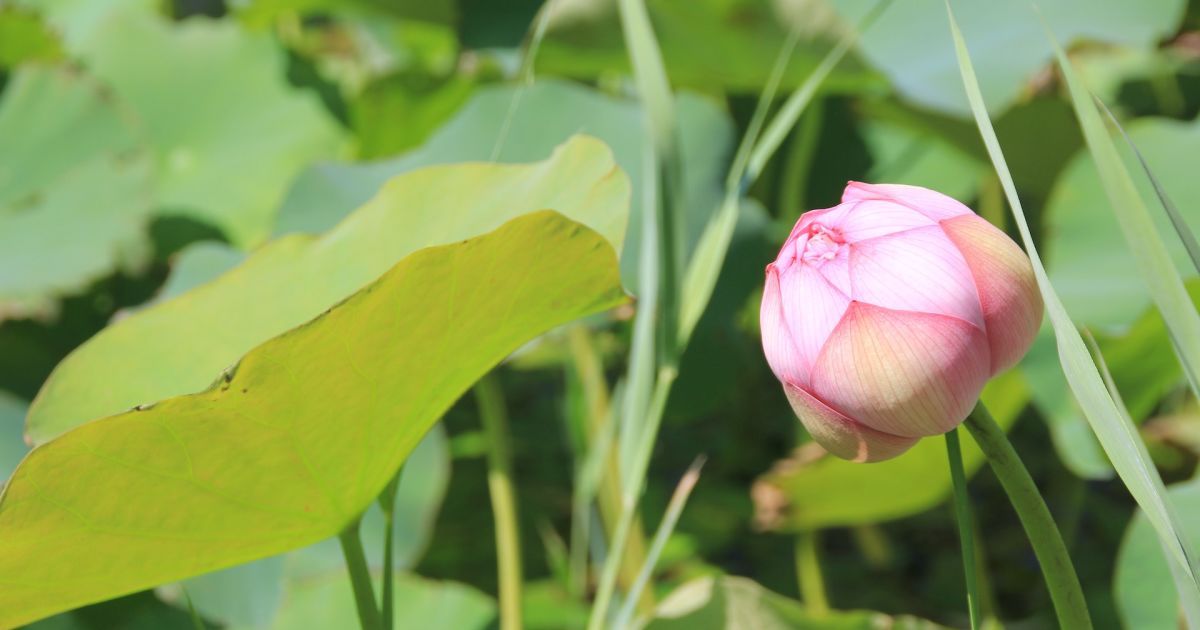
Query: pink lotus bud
point(884, 317)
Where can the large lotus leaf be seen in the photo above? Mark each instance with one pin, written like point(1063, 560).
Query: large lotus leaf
point(546, 114)
point(75, 192)
point(255, 594)
point(807, 492)
point(250, 594)
point(911, 42)
point(1142, 585)
point(228, 131)
point(730, 44)
point(12, 447)
point(176, 346)
point(733, 603)
point(298, 437)
point(1088, 259)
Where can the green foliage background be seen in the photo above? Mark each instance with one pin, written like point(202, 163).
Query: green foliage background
point(182, 181)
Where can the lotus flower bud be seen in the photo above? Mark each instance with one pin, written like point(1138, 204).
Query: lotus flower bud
point(884, 316)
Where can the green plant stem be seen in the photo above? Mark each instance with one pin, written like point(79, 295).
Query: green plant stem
point(387, 503)
point(962, 512)
point(1057, 570)
point(630, 492)
point(360, 578)
point(808, 572)
point(494, 417)
point(590, 370)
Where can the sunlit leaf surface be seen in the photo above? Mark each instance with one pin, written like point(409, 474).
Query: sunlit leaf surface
point(297, 438)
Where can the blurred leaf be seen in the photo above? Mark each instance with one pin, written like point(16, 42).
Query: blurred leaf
point(74, 190)
point(400, 111)
point(1107, 69)
point(734, 603)
point(228, 132)
point(245, 595)
point(1073, 439)
point(140, 611)
point(328, 602)
point(548, 113)
point(1151, 258)
point(197, 265)
point(23, 38)
point(1039, 137)
point(177, 346)
point(706, 44)
point(1142, 584)
point(905, 156)
point(1084, 243)
point(263, 12)
point(297, 438)
point(814, 490)
point(12, 444)
point(548, 606)
point(911, 45)
point(1142, 362)
point(76, 20)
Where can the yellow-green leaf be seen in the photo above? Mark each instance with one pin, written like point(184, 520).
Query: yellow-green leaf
point(294, 441)
point(177, 346)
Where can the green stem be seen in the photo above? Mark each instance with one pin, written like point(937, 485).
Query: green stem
point(387, 503)
point(629, 496)
point(1057, 570)
point(494, 417)
point(360, 578)
point(962, 510)
point(808, 573)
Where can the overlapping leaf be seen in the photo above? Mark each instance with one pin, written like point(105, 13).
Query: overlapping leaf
point(177, 346)
point(297, 438)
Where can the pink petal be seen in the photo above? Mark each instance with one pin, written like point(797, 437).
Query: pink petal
point(842, 436)
point(781, 352)
point(931, 203)
point(825, 216)
point(908, 374)
point(918, 270)
point(873, 218)
point(837, 270)
point(812, 308)
point(1008, 292)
